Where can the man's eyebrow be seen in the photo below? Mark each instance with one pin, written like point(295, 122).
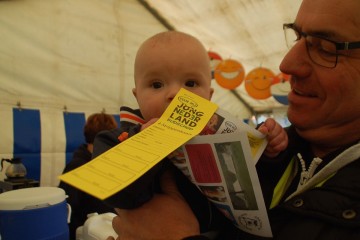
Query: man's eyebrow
point(321, 33)
point(324, 33)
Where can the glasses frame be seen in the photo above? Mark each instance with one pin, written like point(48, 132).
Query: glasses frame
point(338, 45)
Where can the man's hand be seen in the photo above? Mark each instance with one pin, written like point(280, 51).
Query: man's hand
point(165, 217)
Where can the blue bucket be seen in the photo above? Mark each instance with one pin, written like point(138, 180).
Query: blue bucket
point(34, 214)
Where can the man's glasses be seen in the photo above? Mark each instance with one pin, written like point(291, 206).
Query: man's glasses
point(322, 51)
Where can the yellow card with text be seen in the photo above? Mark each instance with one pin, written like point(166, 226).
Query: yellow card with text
point(118, 167)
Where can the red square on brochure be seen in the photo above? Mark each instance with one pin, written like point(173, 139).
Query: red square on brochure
point(203, 163)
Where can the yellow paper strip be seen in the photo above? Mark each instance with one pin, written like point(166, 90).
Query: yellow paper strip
point(118, 167)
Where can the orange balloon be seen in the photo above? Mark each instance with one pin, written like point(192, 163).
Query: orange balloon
point(229, 74)
point(258, 82)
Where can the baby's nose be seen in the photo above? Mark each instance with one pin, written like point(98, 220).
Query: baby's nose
point(172, 92)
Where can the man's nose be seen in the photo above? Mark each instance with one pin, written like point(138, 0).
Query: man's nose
point(296, 61)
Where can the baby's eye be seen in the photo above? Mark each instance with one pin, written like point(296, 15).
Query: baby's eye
point(191, 83)
point(156, 85)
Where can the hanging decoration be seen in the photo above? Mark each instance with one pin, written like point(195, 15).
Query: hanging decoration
point(215, 59)
point(229, 74)
point(281, 87)
point(258, 82)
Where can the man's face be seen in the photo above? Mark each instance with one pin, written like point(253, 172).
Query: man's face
point(325, 99)
point(163, 70)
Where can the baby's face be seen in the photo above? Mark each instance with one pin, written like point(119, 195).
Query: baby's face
point(167, 69)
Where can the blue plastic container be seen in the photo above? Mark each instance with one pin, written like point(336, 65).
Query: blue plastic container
point(34, 214)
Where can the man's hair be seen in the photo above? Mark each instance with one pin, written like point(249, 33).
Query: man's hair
point(98, 122)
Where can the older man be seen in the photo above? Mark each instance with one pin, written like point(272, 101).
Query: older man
point(313, 190)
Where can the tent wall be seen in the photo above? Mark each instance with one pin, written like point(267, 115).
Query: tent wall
point(71, 52)
point(68, 56)
point(44, 139)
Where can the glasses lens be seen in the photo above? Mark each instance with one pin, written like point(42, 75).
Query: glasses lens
point(321, 51)
point(291, 36)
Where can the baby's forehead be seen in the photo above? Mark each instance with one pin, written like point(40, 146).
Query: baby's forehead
point(171, 39)
point(174, 51)
point(171, 36)
point(171, 73)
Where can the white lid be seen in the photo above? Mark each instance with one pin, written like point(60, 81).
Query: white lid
point(27, 198)
point(98, 227)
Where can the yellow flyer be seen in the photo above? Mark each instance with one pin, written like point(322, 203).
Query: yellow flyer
point(118, 167)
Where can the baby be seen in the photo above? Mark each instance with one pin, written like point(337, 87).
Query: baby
point(164, 64)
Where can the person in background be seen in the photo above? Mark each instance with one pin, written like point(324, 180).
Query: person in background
point(82, 203)
point(165, 63)
point(312, 189)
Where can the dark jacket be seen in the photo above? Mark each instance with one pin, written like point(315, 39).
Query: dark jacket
point(328, 211)
point(81, 203)
point(143, 188)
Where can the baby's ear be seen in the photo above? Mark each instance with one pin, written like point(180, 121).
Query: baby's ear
point(211, 93)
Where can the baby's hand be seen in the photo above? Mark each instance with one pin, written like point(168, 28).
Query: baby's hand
point(148, 124)
point(276, 136)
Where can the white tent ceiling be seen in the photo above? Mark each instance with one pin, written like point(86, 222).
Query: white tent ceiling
point(249, 31)
point(80, 53)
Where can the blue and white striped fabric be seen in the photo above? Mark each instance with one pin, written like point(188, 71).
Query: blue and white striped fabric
point(44, 139)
